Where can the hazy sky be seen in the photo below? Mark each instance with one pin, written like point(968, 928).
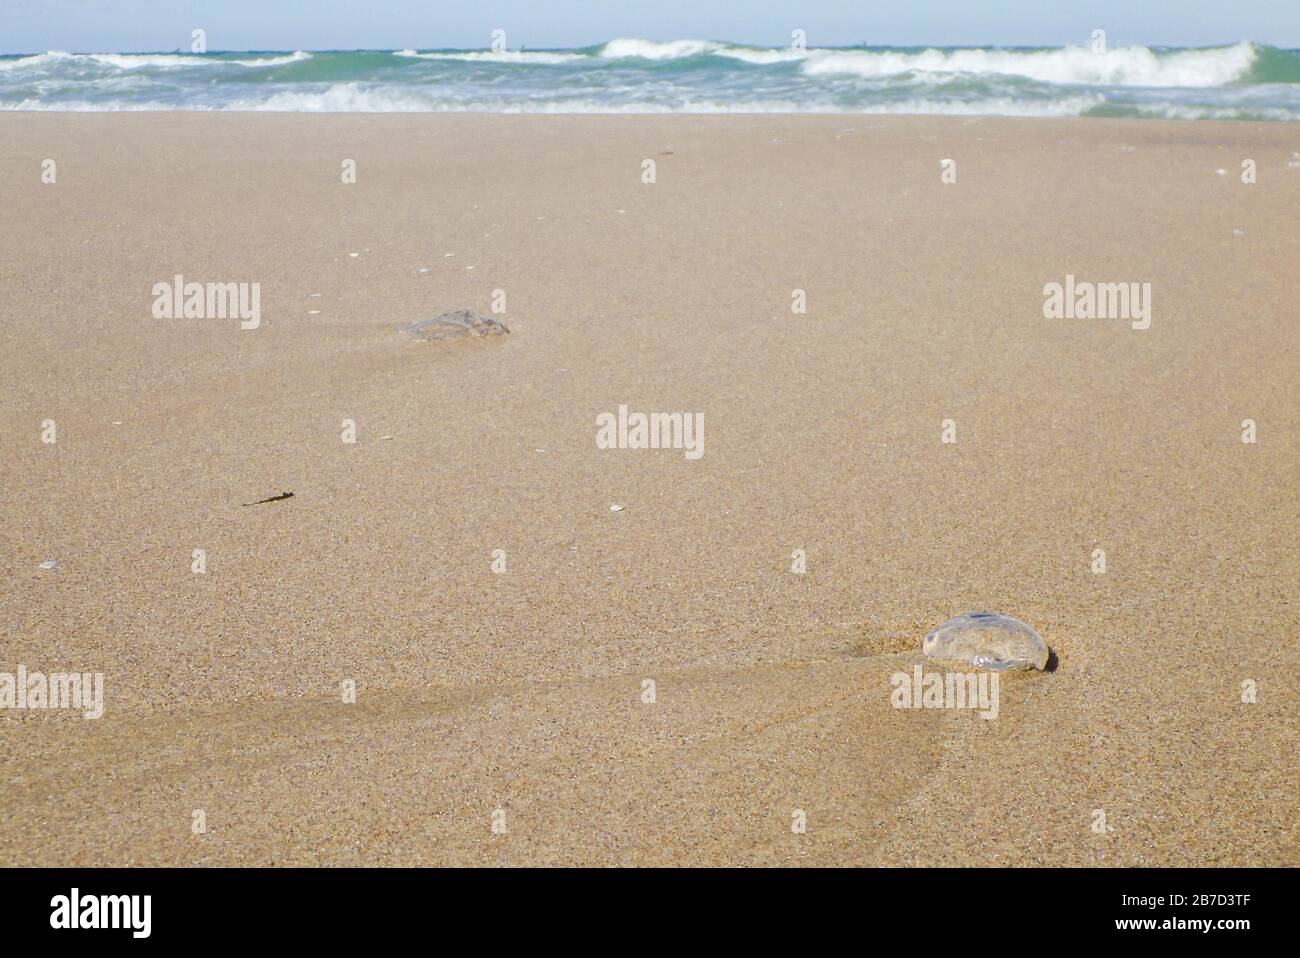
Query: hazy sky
point(134, 25)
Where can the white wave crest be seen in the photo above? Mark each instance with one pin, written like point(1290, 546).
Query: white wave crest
point(36, 60)
point(134, 61)
point(761, 57)
point(1123, 66)
point(340, 98)
point(294, 57)
point(627, 48)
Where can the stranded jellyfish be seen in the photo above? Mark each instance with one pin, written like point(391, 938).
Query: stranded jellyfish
point(458, 324)
point(988, 641)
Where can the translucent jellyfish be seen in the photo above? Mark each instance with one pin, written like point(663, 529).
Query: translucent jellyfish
point(988, 641)
point(458, 324)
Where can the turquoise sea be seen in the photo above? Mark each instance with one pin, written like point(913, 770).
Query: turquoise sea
point(1243, 80)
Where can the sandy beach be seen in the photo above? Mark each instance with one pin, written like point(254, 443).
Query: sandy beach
point(519, 698)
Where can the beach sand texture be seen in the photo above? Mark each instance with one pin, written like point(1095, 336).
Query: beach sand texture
point(523, 691)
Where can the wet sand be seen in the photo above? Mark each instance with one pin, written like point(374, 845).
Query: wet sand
point(524, 691)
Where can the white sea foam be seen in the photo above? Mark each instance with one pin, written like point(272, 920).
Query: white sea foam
point(357, 98)
point(135, 61)
point(37, 60)
point(1176, 111)
point(989, 106)
point(294, 57)
point(1123, 66)
point(626, 48)
point(96, 106)
point(761, 57)
point(341, 98)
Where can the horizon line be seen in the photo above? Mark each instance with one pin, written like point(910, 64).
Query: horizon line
point(734, 43)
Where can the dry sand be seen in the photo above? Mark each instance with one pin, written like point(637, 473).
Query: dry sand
point(523, 691)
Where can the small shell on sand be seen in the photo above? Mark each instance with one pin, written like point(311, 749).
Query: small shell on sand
point(458, 324)
point(988, 641)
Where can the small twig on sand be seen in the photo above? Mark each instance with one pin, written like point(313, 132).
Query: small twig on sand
point(283, 495)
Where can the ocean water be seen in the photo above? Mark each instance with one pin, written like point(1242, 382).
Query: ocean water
point(1246, 80)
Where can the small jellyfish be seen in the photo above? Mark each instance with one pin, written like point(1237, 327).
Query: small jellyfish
point(458, 324)
point(988, 641)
